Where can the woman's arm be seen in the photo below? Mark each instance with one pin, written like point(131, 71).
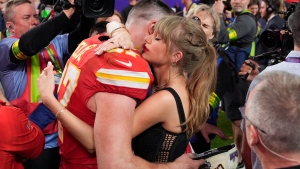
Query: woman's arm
point(119, 37)
point(158, 108)
point(78, 128)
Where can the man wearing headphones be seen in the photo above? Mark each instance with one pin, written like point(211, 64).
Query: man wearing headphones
point(269, 11)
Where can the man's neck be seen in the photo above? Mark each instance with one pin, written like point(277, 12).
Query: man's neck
point(270, 17)
point(238, 13)
point(269, 160)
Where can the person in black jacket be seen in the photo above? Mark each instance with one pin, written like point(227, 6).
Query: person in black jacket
point(239, 36)
point(268, 11)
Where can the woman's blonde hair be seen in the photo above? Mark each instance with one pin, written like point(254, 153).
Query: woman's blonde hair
point(198, 62)
point(209, 11)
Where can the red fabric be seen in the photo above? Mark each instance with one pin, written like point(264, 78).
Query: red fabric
point(75, 91)
point(291, 1)
point(20, 138)
point(189, 148)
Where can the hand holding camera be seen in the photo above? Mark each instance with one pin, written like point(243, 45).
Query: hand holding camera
point(249, 70)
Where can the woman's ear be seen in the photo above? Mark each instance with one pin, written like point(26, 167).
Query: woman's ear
point(151, 27)
point(176, 56)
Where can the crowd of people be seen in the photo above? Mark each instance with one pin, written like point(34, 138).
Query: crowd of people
point(142, 88)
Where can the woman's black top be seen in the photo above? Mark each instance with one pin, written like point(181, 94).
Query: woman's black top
point(156, 144)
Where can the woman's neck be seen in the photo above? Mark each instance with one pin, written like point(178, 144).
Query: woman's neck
point(164, 77)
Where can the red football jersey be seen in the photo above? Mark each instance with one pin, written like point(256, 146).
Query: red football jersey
point(20, 139)
point(116, 71)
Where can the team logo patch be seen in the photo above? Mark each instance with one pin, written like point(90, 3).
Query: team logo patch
point(233, 156)
point(128, 64)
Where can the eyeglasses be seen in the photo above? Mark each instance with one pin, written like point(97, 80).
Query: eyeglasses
point(263, 131)
point(242, 110)
point(196, 19)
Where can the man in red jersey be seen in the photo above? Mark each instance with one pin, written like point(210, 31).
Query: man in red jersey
point(121, 75)
point(103, 92)
point(20, 138)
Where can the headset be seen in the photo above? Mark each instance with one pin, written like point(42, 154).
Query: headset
point(270, 7)
point(10, 27)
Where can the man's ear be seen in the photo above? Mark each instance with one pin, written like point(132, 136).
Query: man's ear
point(211, 36)
point(9, 26)
point(151, 25)
point(253, 136)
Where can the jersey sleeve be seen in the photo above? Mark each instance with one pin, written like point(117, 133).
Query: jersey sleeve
point(19, 135)
point(126, 73)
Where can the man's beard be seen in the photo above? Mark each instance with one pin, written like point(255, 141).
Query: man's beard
point(238, 9)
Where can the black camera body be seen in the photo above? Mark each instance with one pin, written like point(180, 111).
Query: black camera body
point(277, 43)
point(96, 8)
point(275, 39)
point(92, 8)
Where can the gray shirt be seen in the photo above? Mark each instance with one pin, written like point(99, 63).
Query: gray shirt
point(290, 67)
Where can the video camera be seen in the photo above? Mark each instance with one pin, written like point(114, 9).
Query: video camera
point(277, 43)
point(93, 8)
point(89, 8)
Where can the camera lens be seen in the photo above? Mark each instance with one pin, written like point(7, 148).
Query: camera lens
point(98, 8)
point(96, 5)
point(270, 40)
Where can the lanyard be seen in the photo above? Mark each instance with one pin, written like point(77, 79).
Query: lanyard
point(53, 60)
point(187, 10)
point(293, 59)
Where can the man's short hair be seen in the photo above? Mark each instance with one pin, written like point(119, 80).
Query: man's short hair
point(8, 11)
point(99, 28)
point(275, 108)
point(150, 9)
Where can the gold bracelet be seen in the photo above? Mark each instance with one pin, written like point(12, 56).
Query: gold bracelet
point(57, 114)
point(115, 30)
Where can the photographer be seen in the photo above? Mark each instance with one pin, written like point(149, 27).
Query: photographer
point(291, 65)
point(268, 11)
point(239, 34)
point(25, 54)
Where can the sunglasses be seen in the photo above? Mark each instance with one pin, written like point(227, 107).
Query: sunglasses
point(196, 19)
